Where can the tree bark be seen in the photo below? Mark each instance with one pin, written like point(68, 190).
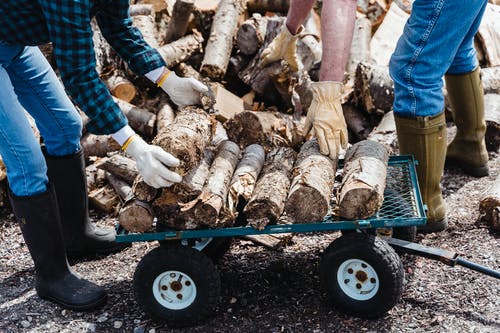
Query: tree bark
point(98, 145)
point(178, 24)
point(492, 117)
point(312, 186)
point(121, 187)
point(95, 177)
point(141, 9)
point(362, 190)
point(245, 177)
point(385, 133)
point(489, 205)
point(263, 6)
point(491, 80)
point(139, 119)
point(251, 34)
point(373, 88)
point(164, 117)
point(360, 47)
point(269, 129)
point(181, 49)
point(147, 27)
point(268, 199)
point(120, 166)
point(220, 44)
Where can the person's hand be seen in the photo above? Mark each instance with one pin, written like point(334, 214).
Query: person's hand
point(283, 47)
point(152, 162)
point(182, 90)
point(326, 118)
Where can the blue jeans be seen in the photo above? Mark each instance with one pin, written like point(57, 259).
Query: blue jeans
point(437, 40)
point(27, 82)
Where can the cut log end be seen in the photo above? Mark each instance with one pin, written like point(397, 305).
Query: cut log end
point(136, 217)
point(306, 206)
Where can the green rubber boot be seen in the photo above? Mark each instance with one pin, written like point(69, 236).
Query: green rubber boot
point(468, 148)
point(425, 139)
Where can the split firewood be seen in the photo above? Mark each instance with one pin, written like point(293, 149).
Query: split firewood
point(360, 46)
point(167, 206)
point(356, 122)
point(187, 137)
point(362, 190)
point(385, 133)
point(141, 9)
point(226, 105)
point(220, 44)
point(104, 198)
point(120, 166)
point(490, 77)
point(181, 49)
point(269, 129)
point(312, 186)
point(489, 35)
point(121, 187)
point(178, 24)
point(271, 241)
point(268, 199)
point(245, 177)
point(384, 41)
point(489, 205)
point(492, 117)
point(164, 117)
point(141, 120)
point(251, 34)
point(98, 145)
point(209, 208)
point(373, 89)
point(263, 6)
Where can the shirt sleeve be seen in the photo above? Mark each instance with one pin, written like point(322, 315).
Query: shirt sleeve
point(68, 23)
point(116, 26)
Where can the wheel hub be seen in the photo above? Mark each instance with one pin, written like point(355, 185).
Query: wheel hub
point(174, 290)
point(358, 279)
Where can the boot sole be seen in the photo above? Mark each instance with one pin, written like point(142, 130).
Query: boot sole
point(474, 171)
point(76, 307)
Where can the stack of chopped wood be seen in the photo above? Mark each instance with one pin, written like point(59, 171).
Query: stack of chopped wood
point(243, 152)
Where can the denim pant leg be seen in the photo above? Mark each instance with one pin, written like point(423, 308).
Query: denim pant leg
point(20, 150)
point(43, 96)
point(430, 42)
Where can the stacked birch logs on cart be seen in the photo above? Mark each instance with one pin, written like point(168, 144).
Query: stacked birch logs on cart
point(244, 157)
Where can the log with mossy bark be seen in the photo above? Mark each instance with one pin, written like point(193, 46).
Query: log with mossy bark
point(363, 182)
point(268, 199)
point(489, 205)
point(312, 186)
point(220, 44)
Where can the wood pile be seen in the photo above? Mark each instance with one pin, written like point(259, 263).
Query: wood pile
point(244, 157)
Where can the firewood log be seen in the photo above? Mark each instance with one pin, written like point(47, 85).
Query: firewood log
point(262, 6)
point(489, 35)
point(384, 41)
point(360, 47)
point(245, 176)
point(141, 9)
point(136, 216)
point(141, 120)
point(220, 44)
point(363, 183)
point(147, 27)
point(120, 86)
point(120, 166)
point(373, 88)
point(187, 137)
point(181, 49)
point(104, 198)
point(164, 117)
point(491, 80)
point(205, 209)
point(98, 145)
point(251, 34)
point(186, 70)
point(178, 24)
point(121, 187)
point(269, 129)
point(95, 177)
point(312, 186)
point(268, 199)
point(356, 122)
point(385, 133)
point(492, 117)
point(489, 205)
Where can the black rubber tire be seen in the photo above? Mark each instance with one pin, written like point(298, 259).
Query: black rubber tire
point(196, 265)
point(405, 233)
point(380, 256)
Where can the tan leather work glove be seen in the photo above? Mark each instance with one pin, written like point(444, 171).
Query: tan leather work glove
point(283, 47)
point(326, 118)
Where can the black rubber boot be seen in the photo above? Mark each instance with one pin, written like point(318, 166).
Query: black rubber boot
point(39, 220)
point(81, 237)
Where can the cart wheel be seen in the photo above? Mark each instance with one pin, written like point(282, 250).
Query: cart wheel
point(405, 233)
point(362, 275)
point(177, 284)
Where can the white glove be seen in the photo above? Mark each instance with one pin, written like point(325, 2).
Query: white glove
point(183, 91)
point(153, 162)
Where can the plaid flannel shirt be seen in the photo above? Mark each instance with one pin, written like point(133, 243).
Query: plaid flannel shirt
point(66, 23)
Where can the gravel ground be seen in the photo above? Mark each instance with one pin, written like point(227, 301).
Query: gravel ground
point(279, 291)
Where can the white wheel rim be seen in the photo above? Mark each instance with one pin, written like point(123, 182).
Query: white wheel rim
point(358, 279)
point(174, 290)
